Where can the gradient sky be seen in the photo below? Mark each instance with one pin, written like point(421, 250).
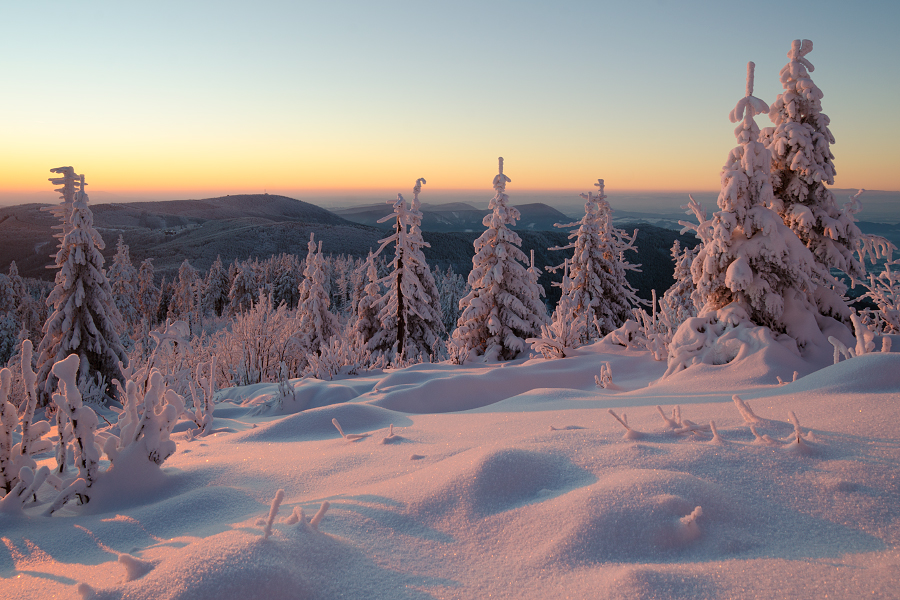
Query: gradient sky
point(168, 99)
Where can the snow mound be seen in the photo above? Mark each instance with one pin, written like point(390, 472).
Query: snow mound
point(638, 514)
point(501, 480)
point(316, 424)
point(295, 562)
point(874, 373)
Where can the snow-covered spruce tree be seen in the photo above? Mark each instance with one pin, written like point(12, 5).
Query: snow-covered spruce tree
point(802, 165)
point(244, 287)
point(409, 311)
point(315, 323)
point(185, 302)
point(123, 280)
point(452, 288)
point(504, 307)
point(598, 287)
point(366, 326)
point(285, 280)
point(85, 319)
point(678, 299)
point(750, 262)
point(148, 294)
point(566, 330)
point(216, 288)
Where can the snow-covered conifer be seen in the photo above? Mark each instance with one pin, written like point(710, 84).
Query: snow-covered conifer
point(678, 301)
point(567, 326)
point(123, 280)
point(216, 288)
point(186, 296)
point(285, 280)
point(504, 307)
point(750, 257)
point(452, 288)
point(148, 294)
point(85, 319)
point(410, 311)
point(800, 144)
point(316, 325)
point(598, 287)
point(244, 287)
point(367, 325)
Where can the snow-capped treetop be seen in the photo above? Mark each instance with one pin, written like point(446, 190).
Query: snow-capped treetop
point(803, 164)
point(67, 189)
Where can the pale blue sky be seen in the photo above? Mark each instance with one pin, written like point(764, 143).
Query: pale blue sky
point(237, 96)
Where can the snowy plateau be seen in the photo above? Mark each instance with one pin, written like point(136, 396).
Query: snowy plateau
point(511, 480)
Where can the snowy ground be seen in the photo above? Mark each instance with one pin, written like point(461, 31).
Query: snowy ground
point(509, 481)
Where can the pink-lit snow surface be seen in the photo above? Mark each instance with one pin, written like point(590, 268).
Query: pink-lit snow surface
point(504, 481)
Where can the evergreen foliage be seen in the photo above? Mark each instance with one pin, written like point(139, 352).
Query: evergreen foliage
point(800, 143)
point(504, 307)
point(85, 319)
point(599, 295)
point(409, 312)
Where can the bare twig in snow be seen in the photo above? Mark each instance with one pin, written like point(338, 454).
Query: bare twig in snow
point(350, 437)
point(273, 512)
point(745, 410)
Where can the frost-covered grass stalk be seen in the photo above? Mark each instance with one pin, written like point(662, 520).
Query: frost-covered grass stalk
point(273, 512)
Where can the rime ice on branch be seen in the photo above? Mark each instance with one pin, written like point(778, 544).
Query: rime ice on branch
point(504, 307)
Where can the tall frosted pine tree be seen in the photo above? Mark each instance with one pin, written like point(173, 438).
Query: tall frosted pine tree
point(803, 164)
point(504, 307)
point(316, 324)
point(410, 309)
point(752, 259)
point(598, 292)
point(85, 319)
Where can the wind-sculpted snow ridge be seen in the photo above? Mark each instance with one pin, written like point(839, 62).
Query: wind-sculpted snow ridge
point(788, 492)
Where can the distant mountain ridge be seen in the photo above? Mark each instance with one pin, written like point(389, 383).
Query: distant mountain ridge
point(459, 216)
point(260, 225)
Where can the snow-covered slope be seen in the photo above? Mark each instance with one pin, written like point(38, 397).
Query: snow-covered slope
point(509, 481)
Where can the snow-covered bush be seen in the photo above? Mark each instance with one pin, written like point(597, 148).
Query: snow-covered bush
point(259, 341)
point(342, 355)
point(719, 337)
point(504, 307)
point(15, 457)
point(81, 423)
point(203, 391)
point(884, 291)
